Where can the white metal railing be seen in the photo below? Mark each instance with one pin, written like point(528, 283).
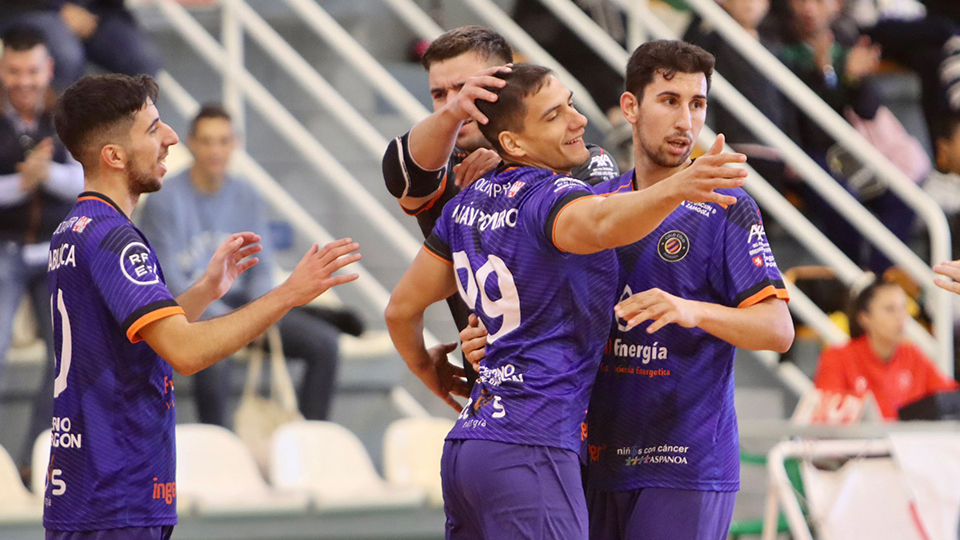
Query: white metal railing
point(938, 302)
point(616, 56)
point(301, 221)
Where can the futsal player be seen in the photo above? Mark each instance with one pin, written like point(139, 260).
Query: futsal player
point(662, 426)
point(118, 330)
point(530, 252)
point(427, 166)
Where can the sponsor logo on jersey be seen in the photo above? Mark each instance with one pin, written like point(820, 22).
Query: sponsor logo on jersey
point(673, 246)
point(645, 353)
point(500, 375)
point(758, 261)
point(474, 217)
point(136, 266)
point(81, 224)
point(65, 224)
point(489, 188)
point(515, 188)
point(703, 209)
point(62, 255)
point(164, 491)
point(62, 435)
point(567, 183)
point(758, 231)
point(653, 455)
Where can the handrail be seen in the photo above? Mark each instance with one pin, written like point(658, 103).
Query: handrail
point(415, 19)
point(330, 31)
point(288, 126)
point(301, 220)
point(939, 302)
point(615, 55)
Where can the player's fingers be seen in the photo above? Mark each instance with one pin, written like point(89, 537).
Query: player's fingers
point(333, 266)
point(717, 145)
point(447, 348)
point(719, 198)
point(949, 269)
point(336, 253)
point(451, 402)
point(652, 313)
point(339, 280)
point(245, 252)
point(473, 320)
point(309, 254)
point(481, 81)
point(476, 355)
point(333, 245)
point(951, 286)
point(661, 322)
point(461, 388)
point(471, 109)
point(247, 264)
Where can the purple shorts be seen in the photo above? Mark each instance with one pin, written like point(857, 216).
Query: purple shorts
point(131, 533)
point(500, 491)
point(660, 514)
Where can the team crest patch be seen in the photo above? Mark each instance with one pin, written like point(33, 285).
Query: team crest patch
point(673, 246)
point(81, 224)
point(515, 188)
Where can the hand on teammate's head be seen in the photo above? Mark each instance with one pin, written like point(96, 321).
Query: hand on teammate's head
point(463, 106)
point(314, 273)
point(709, 172)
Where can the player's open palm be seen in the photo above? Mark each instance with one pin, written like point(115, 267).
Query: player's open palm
point(314, 273)
point(234, 257)
point(660, 307)
point(698, 182)
point(463, 107)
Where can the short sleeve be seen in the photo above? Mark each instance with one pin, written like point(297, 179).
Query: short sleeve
point(600, 167)
point(750, 273)
point(438, 242)
point(125, 271)
point(540, 209)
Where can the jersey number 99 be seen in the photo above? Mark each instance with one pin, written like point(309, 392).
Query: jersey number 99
point(508, 306)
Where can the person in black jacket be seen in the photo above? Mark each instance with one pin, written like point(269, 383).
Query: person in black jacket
point(39, 182)
point(101, 31)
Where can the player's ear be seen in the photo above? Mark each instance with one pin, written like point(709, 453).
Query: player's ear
point(511, 144)
point(113, 156)
point(629, 106)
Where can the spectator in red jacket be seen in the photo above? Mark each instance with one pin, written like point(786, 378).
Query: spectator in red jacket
point(879, 359)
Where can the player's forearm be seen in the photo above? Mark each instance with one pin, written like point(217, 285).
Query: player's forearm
point(766, 326)
point(406, 332)
point(196, 299)
point(431, 140)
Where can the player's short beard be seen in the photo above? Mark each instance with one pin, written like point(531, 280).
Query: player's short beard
point(140, 179)
point(655, 153)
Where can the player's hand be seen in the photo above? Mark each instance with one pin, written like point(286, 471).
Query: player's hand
point(477, 164)
point(234, 257)
point(443, 378)
point(463, 107)
point(697, 182)
point(951, 270)
point(36, 167)
point(81, 22)
point(660, 307)
point(314, 273)
point(473, 342)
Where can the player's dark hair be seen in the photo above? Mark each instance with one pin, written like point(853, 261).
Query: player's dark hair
point(861, 304)
point(22, 38)
point(666, 57)
point(98, 108)
point(487, 43)
point(508, 111)
point(207, 112)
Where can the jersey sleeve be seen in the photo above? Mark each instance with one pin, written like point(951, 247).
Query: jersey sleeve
point(600, 167)
point(124, 270)
point(542, 207)
point(749, 272)
point(438, 242)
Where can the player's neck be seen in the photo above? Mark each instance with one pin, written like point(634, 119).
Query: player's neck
point(205, 182)
point(882, 348)
point(115, 189)
point(648, 173)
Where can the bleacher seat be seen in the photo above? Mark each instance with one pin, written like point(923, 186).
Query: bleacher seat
point(39, 462)
point(17, 504)
point(217, 476)
point(412, 448)
point(330, 464)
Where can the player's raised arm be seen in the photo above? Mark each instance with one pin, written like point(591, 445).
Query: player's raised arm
point(190, 347)
point(427, 281)
point(593, 224)
point(234, 257)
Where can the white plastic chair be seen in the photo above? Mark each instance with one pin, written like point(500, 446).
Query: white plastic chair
point(39, 462)
point(217, 475)
point(328, 462)
point(412, 448)
point(16, 503)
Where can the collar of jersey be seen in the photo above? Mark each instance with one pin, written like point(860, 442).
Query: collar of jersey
point(93, 195)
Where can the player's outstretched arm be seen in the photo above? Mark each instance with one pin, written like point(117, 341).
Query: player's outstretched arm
point(427, 281)
point(764, 326)
point(193, 346)
point(234, 257)
point(593, 224)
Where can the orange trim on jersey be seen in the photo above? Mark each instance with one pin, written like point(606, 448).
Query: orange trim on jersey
point(95, 198)
point(553, 233)
point(438, 257)
point(763, 294)
point(151, 317)
point(429, 205)
point(617, 190)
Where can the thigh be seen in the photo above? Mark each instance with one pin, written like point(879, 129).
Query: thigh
point(608, 511)
point(694, 515)
point(524, 492)
point(12, 287)
point(307, 337)
point(461, 523)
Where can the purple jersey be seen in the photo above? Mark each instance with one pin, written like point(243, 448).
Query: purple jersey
point(547, 312)
point(112, 461)
point(662, 412)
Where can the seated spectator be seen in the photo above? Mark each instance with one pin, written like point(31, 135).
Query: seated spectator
point(39, 183)
point(878, 359)
point(943, 185)
point(840, 76)
point(102, 31)
point(187, 220)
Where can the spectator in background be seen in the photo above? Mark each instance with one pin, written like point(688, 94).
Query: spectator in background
point(840, 76)
point(943, 185)
point(102, 31)
point(186, 222)
point(39, 183)
point(878, 359)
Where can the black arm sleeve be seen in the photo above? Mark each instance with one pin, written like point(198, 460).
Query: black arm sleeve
point(404, 178)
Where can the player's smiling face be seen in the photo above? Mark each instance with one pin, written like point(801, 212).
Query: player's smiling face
point(150, 142)
point(446, 79)
point(669, 117)
point(552, 136)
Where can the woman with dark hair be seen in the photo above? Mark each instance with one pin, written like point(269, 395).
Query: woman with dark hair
point(878, 359)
